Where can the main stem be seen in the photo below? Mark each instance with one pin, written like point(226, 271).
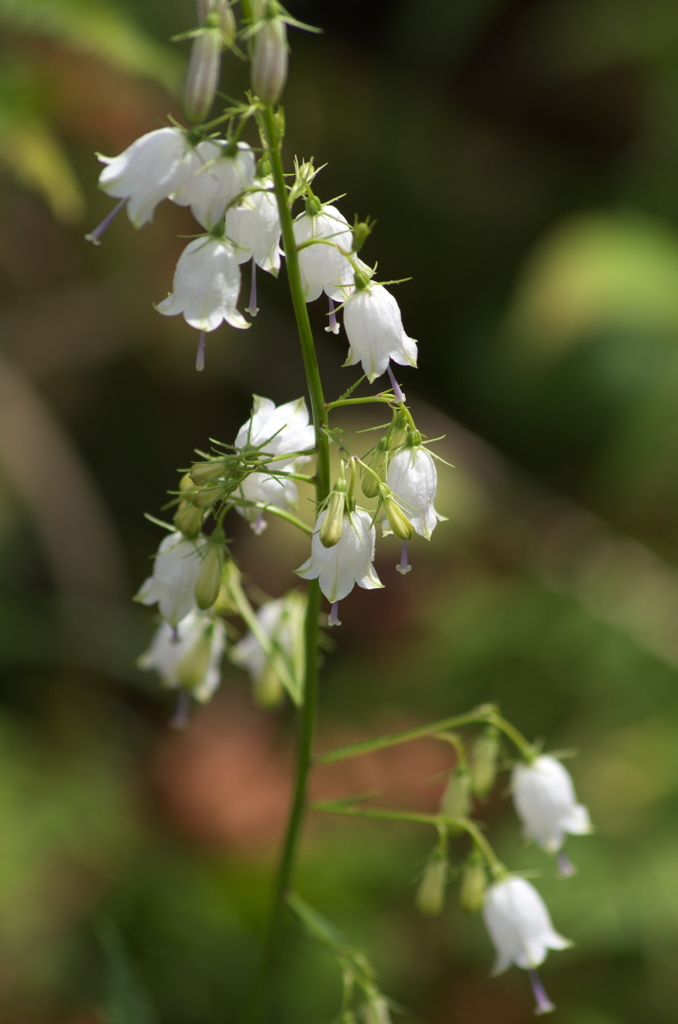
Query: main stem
point(257, 1002)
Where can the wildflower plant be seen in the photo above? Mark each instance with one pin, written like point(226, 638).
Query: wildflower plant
point(228, 169)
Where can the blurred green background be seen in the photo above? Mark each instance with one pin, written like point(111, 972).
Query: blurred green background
point(521, 159)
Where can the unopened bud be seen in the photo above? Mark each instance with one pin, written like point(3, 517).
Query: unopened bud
point(473, 886)
point(227, 22)
point(205, 472)
point(400, 525)
point(456, 798)
point(269, 61)
point(209, 578)
point(430, 897)
point(193, 668)
point(484, 762)
point(202, 76)
point(206, 496)
point(267, 689)
point(414, 439)
point(188, 519)
point(333, 523)
point(362, 229)
point(399, 429)
point(370, 482)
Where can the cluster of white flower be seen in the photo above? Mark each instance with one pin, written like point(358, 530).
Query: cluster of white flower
point(232, 198)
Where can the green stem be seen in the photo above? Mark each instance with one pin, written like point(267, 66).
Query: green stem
point(485, 713)
point(259, 996)
point(438, 821)
point(341, 402)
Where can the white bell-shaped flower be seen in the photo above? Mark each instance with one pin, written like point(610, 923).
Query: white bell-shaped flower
point(413, 478)
point(253, 225)
point(188, 656)
point(347, 562)
point(323, 267)
point(375, 331)
point(265, 490)
point(206, 286)
point(221, 173)
point(148, 171)
point(278, 429)
point(519, 925)
point(176, 568)
point(545, 801)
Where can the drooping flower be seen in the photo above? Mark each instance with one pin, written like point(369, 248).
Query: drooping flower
point(375, 331)
point(221, 173)
point(206, 286)
point(188, 656)
point(278, 429)
point(413, 479)
point(519, 925)
point(253, 225)
point(176, 568)
point(281, 622)
point(520, 928)
point(347, 562)
point(323, 267)
point(545, 801)
point(148, 171)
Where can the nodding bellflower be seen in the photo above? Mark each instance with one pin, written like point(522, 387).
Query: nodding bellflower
point(220, 174)
point(347, 562)
point(188, 656)
point(148, 171)
point(545, 801)
point(175, 573)
point(206, 286)
point(374, 329)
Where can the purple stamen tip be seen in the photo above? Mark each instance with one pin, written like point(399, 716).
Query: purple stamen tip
point(181, 716)
point(403, 567)
point(333, 619)
point(542, 1002)
point(334, 323)
point(253, 309)
point(95, 235)
point(200, 355)
point(565, 866)
point(398, 393)
point(259, 525)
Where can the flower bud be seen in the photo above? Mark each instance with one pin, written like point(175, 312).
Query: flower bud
point(333, 524)
point(362, 229)
point(378, 460)
point(484, 762)
point(209, 578)
point(456, 798)
point(267, 689)
point(188, 519)
point(397, 520)
point(205, 472)
point(206, 496)
point(269, 61)
point(399, 430)
point(430, 896)
point(202, 76)
point(227, 22)
point(473, 886)
point(193, 669)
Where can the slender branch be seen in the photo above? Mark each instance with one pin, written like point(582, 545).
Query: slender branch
point(438, 821)
point(484, 713)
point(341, 402)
